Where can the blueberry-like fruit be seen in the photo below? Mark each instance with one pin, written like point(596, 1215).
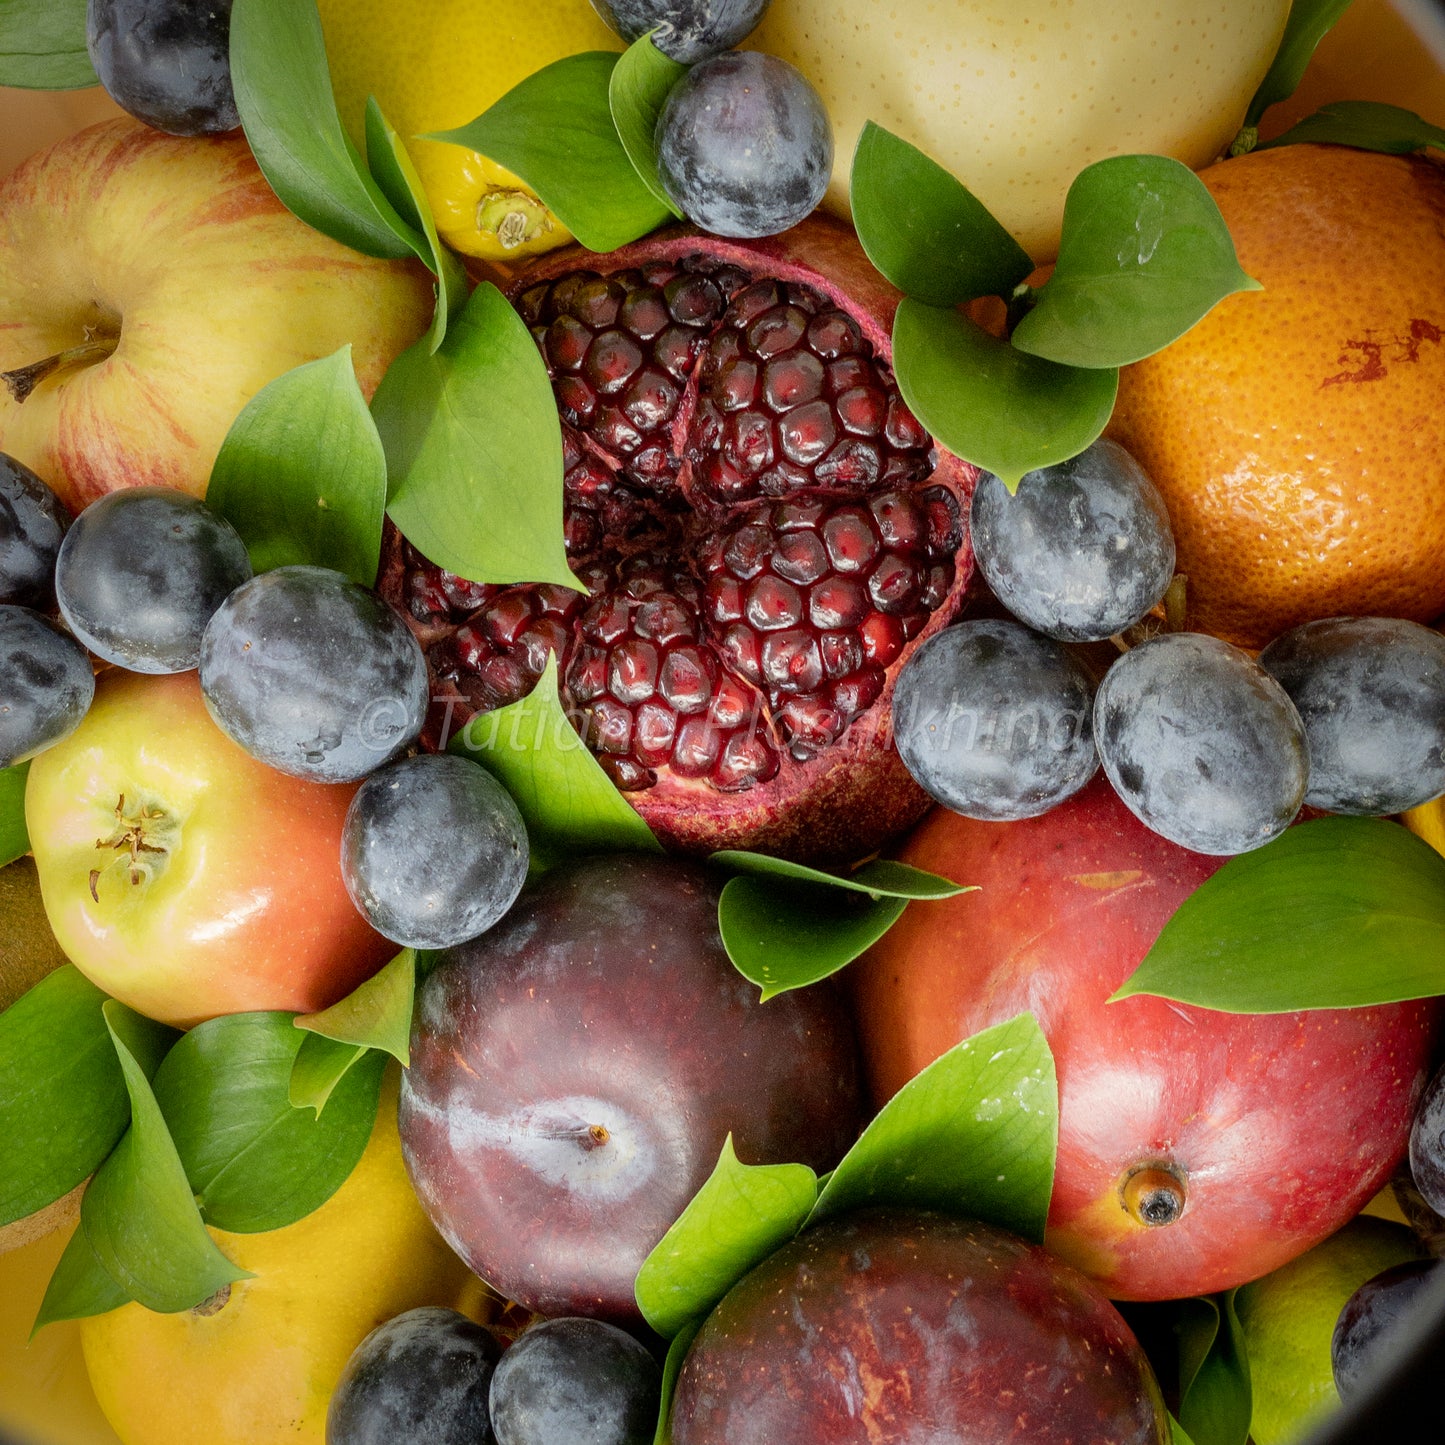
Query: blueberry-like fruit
point(313, 674)
point(434, 851)
point(1427, 1144)
point(166, 62)
point(744, 146)
point(46, 684)
point(419, 1379)
point(1361, 1343)
point(1201, 743)
point(1083, 549)
point(994, 721)
point(687, 30)
point(33, 521)
point(576, 1382)
point(142, 571)
point(1371, 693)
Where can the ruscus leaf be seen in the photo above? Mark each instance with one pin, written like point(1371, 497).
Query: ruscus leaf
point(879, 878)
point(671, 1369)
point(42, 45)
point(1366, 125)
point(319, 1066)
point(376, 1014)
point(640, 85)
point(14, 838)
point(1309, 22)
point(79, 1286)
point(1215, 1401)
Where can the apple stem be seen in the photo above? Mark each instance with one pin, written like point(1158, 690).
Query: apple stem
point(24, 379)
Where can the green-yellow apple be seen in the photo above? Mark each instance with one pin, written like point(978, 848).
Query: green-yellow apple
point(182, 876)
point(149, 286)
point(1016, 97)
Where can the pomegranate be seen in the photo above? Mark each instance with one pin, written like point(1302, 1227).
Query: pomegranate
point(765, 532)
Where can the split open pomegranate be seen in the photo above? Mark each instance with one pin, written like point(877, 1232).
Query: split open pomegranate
point(765, 531)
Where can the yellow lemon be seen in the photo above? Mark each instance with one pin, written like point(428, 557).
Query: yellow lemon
point(259, 1366)
point(1015, 97)
point(1428, 820)
point(437, 64)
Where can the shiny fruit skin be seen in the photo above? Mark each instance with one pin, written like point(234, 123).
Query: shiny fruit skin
point(245, 910)
point(1296, 433)
point(46, 684)
point(261, 1369)
point(1282, 1126)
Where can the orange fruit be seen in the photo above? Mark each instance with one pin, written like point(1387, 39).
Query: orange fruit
point(1298, 433)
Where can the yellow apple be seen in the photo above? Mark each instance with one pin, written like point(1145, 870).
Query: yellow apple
point(1015, 97)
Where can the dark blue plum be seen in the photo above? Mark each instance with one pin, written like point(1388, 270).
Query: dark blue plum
point(142, 571)
point(32, 526)
point(1083, 549)
point(419, 1379)
point(434, 851)
point(1371, 693)
point(576, 1382)
point(687, 30)
point(744, 146)
point(994, 721)
point(1368, 1324)
point(167, 62)
point(1427, 1144)
point(46, 684)
point(1201, 743)
point(313, 674)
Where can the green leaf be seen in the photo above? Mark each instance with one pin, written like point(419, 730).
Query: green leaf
point(1178, 1435)
point(671, 1369)
point(928, 234)
point(301, 474)
point(568, 802)
point(1338, 913)
point(974, 1134)
point(253, 1161)
point(555, 131)
point(376, 1014)
point(736, 1220)
point(474, 449)
point(1214, 1390)
point(1144, 255)
point(641, 82)
point(79, 1286)
point(995, 406)
point(42, 45)
point(319, 1066)
point(1309, 22)
point(138, 1212)
point(14, 839)
point(63, 1101)
point(283, 92)
point(880, 878)
point(395, 173)
point(1366, 125)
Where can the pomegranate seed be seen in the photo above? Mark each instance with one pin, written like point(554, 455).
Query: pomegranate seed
point(733, 705)
point(837, 602)
point(747, 552)
point(676, 349)
point(850, 540)
point(792, 661)
point(742, 651)
point(800, 557)
point(772, 604)
point(610, 726)
point(504, 620)
point(693, 300)
point(792, 379)
point(811, 724)
point(903, 430)
point(853, 463)
point(596, 303)
point(777, 330)
point(587, 676)
point(750, 303)
point(806, 433)
point(686, 682)
point(894, 584)
point(653, 733)
point(665, 619)
point(697, 747)
point(834, 333)
point(567, 343)
point(632, 670)
point(748, 442)
point(901, 524)
point(855, 694)
point(842, 653)
point(650, 403)
point(736, 384)
point(575, 398)
point(882, 638)
point(863, 410)
point(644, 313)
point(747, 760)
point(612, 361)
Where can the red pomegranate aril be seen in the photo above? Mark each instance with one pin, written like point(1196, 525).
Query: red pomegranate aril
point(733, 705)
point(895, 585)
point(741, 650)
point(903, 429)
point(724, 599)
point(748, 442)
point(749, 304)
point(611, 726)
point(503, 621)
point(855, 694)
point(842, 654)
point(677, 349)
point(746, 761)
point(697, 748)
point(664, 619)
point(567, 342)
point(811, 723)
point(736, 384)
point(595, 303)
point(837, 602)
point(653, 733)
point(832, 334)
point(901, 524)
point(614, 431)
point(632, 670)
point(772, 604)
point(863, 410)
point(806, 433)
point(883, 638)
point(849, 537)
point(644, 313)
point(650, 402)
point(778, 330)
point(612, 361)
point(800, 557)
point(576, 399)
point(747, 552)
point(792, 380)
point(686, 682)
point(792, 662)
point(693, 300)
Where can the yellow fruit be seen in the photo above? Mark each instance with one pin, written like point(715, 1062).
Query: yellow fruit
point(438, 64)
point(260, 1368)
point(1015, 97)
point(1428, 820)
point(1289, 1316)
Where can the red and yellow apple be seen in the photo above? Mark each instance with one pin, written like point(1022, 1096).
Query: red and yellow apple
point(150, 286)
point(1197, 1149)
point(184, 877)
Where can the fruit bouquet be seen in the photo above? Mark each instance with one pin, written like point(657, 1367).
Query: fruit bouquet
point(719, 724)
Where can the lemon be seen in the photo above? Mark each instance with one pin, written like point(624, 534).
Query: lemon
point(1289, 1316)
point(438, 64)
point(1428, 821)
point(259, 1365)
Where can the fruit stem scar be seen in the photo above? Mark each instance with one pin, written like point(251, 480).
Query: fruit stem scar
point(24, 379)
point(1153, 1194)
point(130, 839)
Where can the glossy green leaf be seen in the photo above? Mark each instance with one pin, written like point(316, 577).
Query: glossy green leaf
point(671, 1369)
point(301, 474)
point(993, 405)
point(79, 1286)
point(1214, 1391)
point(974, 1134)
point(568, 802)
point(253, 1161)
point(138, 1212)
point(42, 45)
point(924, 230)
point(1309, 22)
point(63, 1101)
point(1144, 255)
point(736, 1220)
point(14, 839)
point(640, 85)
point(376, 1014)
point(474, 449)
point(319, 1066)
point(283, 92)
point(555, 130)
point(1337, 913)
point(1178, 1434)
point(879, 878)
point(1366, 125)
